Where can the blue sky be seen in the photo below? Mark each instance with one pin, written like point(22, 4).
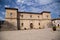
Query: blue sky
point(31, 6)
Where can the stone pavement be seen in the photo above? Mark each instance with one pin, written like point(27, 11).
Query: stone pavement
point(34, 34)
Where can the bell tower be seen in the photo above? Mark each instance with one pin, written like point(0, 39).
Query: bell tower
point(11, 18)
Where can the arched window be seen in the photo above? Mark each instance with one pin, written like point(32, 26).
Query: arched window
point(31, 25)
point(21, 24)
point(39, 23)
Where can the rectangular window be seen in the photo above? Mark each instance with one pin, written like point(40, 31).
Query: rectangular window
point(21, 24)
point(30, 16)
point(10, 14)
point(38, 16)
point(21, 16)
point(47, 16)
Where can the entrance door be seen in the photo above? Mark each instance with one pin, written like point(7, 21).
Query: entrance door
point(31, 25)
point(58, 25)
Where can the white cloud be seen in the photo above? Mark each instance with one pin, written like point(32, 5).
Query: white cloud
point(27, 2)
point(16, 7)
point(30, 3)
point(34, 3)
point(20, 1)
point(43, 2)
point(21, 8)
point(7, 6)
point(36, 10)
point(50, 7)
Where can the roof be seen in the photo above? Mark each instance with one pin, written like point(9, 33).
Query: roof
point(28, 12)
point(11, 8)
point(35, 13)
point(45, 12)
point(55, 19)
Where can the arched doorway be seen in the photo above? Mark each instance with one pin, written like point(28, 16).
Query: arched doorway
point(31, 25)
point(58, 25)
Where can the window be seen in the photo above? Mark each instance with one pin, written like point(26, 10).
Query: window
point(21, 24)
point(30, 16)
point(39, 23)
point(22, 16)
point(38, 16)
point(47, 16)
point(10, 14)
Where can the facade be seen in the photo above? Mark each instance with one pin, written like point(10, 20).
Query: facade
point(56, 22)
point(26, 20)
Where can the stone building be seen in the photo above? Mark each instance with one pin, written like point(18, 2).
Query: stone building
point(26, 20)
point(56, 22)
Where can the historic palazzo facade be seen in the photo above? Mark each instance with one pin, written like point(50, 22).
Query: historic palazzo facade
point(26, 20)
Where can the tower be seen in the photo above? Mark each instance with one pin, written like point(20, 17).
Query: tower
point(46, 19)
point(46, 15)
point(11, 18)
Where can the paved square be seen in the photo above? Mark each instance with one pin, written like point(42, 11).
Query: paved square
point(34, 34)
